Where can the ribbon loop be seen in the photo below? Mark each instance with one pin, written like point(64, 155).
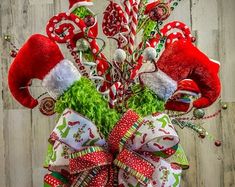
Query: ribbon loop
point(155, 135)
point(88, 159)
point(135, 165)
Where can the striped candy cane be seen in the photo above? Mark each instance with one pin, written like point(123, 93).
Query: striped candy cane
point(127, 5)
point(113, 93)
point(171, 37)
point(133, 26)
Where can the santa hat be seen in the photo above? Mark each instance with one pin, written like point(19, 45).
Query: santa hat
point(186, 87)
point(182, 60)
point(73, 4)
point(40, 58)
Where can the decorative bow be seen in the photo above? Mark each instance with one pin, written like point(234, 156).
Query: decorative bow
point(135, 154)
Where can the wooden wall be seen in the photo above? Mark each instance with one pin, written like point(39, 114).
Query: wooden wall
point(24, 133)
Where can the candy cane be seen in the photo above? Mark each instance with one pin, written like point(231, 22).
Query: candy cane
point(113, 94)
point(185, 35)
point(133, 27)
point(127, 5)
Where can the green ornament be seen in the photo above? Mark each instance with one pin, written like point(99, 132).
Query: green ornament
point(198, 113)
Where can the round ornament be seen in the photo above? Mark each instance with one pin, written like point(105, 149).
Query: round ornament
point(218, 143)
point(199, 113)
point(13, 53)
point(120, 55)
point(160, 13)
point(89, 20)
point(150, 54)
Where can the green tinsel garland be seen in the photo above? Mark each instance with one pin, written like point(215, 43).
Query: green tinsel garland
point(144, 101)
point(83, 97)
point(82, 12)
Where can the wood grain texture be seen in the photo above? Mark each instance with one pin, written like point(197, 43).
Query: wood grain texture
point(227, 56)
point(206, 27)
point(24, 133)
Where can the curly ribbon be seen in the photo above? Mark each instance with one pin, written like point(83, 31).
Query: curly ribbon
point(136, 152)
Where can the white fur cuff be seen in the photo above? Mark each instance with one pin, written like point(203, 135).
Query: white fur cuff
point(159, 82)
point(60, 78)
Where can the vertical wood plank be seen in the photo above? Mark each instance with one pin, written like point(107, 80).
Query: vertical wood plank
point(206, 26)
point(227, 56)
point(42, 126)
point(228, 131)
point(2, 141)
point(17, 131)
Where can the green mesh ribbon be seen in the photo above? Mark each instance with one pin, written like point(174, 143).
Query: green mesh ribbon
point(82, 12)
point(83, 97)
point(144, 101)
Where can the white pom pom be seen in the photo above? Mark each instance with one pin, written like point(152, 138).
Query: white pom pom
point(150, 54)
point(120, 55)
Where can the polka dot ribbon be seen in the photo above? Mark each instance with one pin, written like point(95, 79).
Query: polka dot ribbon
point(135, 152)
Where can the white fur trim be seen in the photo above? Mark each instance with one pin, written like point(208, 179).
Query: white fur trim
point(159, 82)
point(60, 78)
point(78, 4)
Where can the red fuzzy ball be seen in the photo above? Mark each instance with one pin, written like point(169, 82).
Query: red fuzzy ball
point(13, 53)
point(89, 20)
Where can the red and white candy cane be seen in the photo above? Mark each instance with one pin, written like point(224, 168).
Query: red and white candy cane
point(172, 37)
point(68, 28)
point(133, 26)
point(127, 4)
point(113, 93)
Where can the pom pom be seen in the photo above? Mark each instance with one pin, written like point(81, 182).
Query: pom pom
point(120, 55)
point(150, 54)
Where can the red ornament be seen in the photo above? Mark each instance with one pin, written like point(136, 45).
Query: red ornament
point(202, 136)
point(13, 53)
point(194, 39)
point(160, 12)
point(218, 143)
point(89, 20)
point(156, 14)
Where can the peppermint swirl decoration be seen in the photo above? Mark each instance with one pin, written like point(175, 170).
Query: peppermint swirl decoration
point(47, 106)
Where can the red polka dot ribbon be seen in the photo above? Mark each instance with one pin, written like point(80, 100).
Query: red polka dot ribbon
point(134, 153)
